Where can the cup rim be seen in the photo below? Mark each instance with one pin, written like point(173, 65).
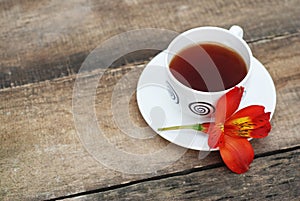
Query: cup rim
point(171, 76)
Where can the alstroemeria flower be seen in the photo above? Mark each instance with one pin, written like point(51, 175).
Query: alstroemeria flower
point(231, 129)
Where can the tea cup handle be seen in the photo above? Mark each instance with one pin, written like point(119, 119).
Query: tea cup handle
point(237, 30)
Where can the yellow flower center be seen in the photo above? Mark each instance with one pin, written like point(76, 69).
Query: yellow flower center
point(221, 126)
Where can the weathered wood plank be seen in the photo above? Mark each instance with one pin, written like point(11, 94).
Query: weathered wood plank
point(49, 39)
point(41, 156)
point(275, 177)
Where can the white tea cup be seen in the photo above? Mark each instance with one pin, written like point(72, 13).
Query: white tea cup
point(201, 104)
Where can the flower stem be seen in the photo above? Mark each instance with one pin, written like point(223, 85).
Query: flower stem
point(197, 127)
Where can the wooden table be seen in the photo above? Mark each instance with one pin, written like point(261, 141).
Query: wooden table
point(43, 45)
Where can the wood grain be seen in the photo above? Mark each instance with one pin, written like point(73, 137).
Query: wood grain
point(272, 178)
point(50, 39)
point(42, 157)
point(43, 44)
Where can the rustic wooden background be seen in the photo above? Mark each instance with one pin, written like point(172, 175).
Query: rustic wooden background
point(42, 46)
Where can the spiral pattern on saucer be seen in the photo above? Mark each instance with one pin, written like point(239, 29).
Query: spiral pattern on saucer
point(172, 93)
point(202, 108)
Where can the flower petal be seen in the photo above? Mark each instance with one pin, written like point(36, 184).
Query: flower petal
point(251, 111)
point(251, 121)
point(214, 134)
point(259, 132)
point(228, 104)
point(237, 153)
point(246, 123)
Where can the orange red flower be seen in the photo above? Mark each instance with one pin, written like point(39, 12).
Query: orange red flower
point(231, 130)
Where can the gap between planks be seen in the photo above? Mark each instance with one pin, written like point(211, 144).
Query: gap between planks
point(175, 174)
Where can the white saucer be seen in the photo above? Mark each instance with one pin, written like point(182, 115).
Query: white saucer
point(158, 108)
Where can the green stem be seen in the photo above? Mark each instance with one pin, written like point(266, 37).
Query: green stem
point(197, 127)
